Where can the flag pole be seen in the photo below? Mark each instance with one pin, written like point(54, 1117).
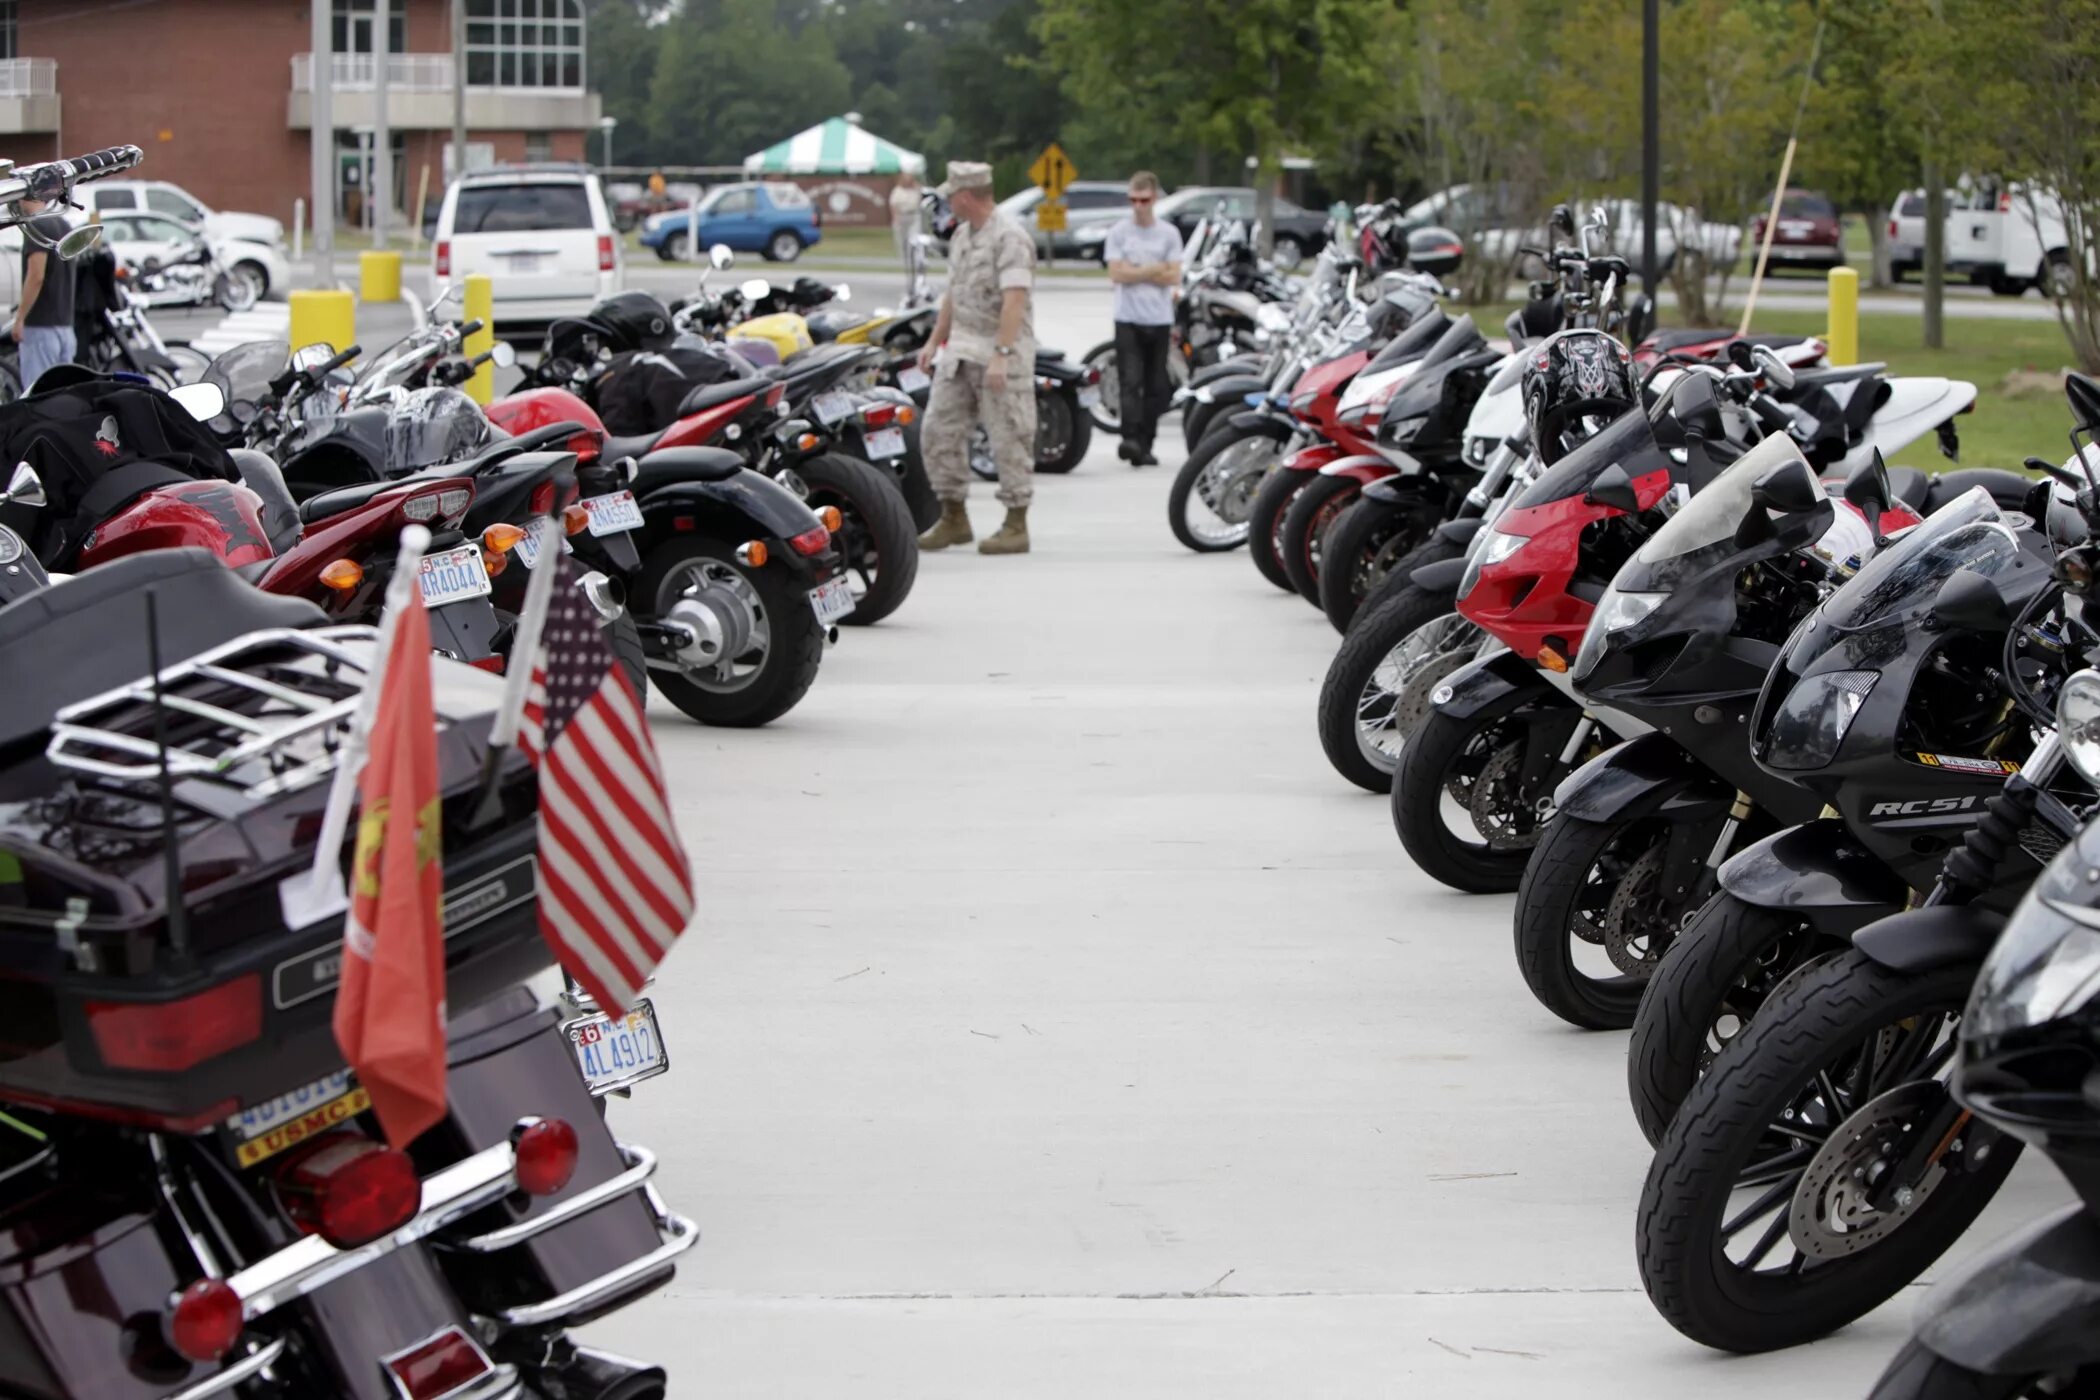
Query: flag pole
point(321, 893)
point(517, 671)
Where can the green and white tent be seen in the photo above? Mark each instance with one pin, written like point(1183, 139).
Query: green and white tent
point(835, 147)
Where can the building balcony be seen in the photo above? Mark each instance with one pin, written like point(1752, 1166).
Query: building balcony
point(28, 95)
point(419, 97)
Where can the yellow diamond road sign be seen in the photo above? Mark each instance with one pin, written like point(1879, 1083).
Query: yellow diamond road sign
point(1053, 170)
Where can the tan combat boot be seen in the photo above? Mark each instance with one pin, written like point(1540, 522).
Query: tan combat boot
point(1012, 537)
point(952, 528)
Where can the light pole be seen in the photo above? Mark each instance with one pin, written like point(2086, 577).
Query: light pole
point(606, 125)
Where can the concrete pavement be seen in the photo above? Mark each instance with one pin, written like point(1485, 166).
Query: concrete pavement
point(1058, 1024)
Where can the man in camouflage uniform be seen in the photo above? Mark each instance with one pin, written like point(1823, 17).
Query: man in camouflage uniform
point(986, 336)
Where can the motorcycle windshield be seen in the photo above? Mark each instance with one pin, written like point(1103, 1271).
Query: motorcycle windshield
point(1627, 441)
point(244, 373)
point(432, 427)
point(1899, 585)
point(1684, 546)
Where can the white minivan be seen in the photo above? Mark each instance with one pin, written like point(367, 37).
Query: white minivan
point(543, 234)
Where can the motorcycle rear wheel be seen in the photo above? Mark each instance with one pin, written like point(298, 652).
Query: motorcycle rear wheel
point(876, 537)
point(1735, 1159)
point(782, 671)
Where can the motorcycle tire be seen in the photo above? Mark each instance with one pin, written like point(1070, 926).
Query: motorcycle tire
point(233, 293)
point(1707, 990)
point(1305, 527)
point(1265, 522)
point(1440, 754)
point(1368, 541)
point(1212, 497)
point(789, 665)
point(1360, 710)
point(1108, 412)
point(1810, 1035)
point(1585, 888)
point(876, 535)
point(1918, 1373)
point(1063, 431)
point(1198, 418)
point(625, 639)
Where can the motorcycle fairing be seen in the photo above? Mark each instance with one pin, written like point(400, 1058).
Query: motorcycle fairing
point(1820, 871)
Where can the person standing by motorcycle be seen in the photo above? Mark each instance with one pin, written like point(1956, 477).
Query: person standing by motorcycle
point(904, 213)
point(986, 327)
point(1144, 262)
point(44, 317)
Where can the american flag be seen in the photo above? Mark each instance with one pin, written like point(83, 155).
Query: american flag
point(615, 889)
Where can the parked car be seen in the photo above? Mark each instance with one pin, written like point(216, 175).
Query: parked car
point(140, 240)
point(1809, 233)
point(542, 232)
point(1300, 233)
point(1092, 207)
point(160, 197)
point(778, 220)
point(1992, 237)
point(1494, 227)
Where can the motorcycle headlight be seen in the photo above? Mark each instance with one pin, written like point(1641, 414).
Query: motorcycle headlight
point(2078, 723)
point(1406, 430)
point(2046, 968)
point(1616, 612)
point(1489, 547)
point(1811, 722)
point(1478, 449)
point(10, 546)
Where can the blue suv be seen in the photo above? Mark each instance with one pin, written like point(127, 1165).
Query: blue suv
point(774, 219)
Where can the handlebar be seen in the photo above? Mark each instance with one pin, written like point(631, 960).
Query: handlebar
point(343, 357)
point(53, 180)
point(470, 327)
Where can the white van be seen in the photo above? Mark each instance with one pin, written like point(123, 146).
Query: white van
point(1992, 237)
point(543, 233)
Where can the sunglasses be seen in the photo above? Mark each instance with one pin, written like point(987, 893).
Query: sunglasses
point(1141, 199)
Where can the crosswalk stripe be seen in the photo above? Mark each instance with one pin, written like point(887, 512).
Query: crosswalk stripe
point(267, 320)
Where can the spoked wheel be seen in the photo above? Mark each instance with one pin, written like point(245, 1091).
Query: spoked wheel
point(757, 643)
point(1212, 497)
point(1594, 914)
point(1361, 548)
point(1108, 413)
point(1378, 685)
point(877, 538)
point(1786, 1200)
point(1707, 988)
point(234, 292)
point(1463, 808)
point(253, 279)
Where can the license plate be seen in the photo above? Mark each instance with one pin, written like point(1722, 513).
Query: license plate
point(613, 512)
point(832, 600)
point(524, 262)
point(453, 575)
point(528, 549)
point(886, 442)
point(615, 1052)
point(267, 1129)
point(1089, 396)
point(832, 408)
point(912, 380)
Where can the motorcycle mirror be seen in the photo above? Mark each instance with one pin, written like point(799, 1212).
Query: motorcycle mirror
point(1696, 408)
point(757, 289)
point(81, 240)
point(24, 487)
point(1615, 489)
point(503, 353)
point(1640, 319)
point(312, 356)
point(1778, 371)
point(1563, 220)
point(1789, 488)
point(720, 258)
point(842, 293)
point(1971, 602)
point(1739, 355)
point(203, 400)
point(1868, 489)
point(2084, 395)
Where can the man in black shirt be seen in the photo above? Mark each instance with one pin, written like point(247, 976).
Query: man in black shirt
point(44, 317)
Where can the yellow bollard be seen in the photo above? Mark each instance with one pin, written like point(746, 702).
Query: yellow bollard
point(319, 316)
point(1844, 316)
point(378, 275)
point(480, 305)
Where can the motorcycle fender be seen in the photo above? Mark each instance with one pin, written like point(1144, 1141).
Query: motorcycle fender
point(1819, 870)
point(744, 506)
point(1648, 774)
point(1363, 470)
point(1493, 685)
point(1258, 420)
point(1393, 489)
point(2028, 1305)
point(1940, 935)
point(1458, 532)
point(1441, 577)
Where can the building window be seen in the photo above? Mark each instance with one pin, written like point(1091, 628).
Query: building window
point(7, 29)
point(539, 145)
point(353, 26)
point(525, 43)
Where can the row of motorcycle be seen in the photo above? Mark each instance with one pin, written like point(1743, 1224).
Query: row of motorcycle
point(1789, 757)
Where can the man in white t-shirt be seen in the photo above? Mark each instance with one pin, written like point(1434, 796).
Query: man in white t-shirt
point(1144, 261)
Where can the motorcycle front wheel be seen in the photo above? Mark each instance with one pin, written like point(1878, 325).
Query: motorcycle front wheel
point(1365, 544)
point(1766, 1219)
point(1265, 522)
point(1108, 413)
point(1305, 527)
point(1212, 497)
point(1593, 917)
point(232, 292)
point(776, 661)
point(1459, 805)
point(1377, 687)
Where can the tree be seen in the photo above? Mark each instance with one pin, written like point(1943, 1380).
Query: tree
point(717, 92)
point(622, 52)
point(1856, 146)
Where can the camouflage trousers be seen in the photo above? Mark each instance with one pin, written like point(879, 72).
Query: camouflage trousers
point(959, 404)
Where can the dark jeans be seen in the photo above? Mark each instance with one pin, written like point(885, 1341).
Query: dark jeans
point(1141, 370)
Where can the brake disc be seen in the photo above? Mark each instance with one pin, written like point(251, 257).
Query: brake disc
point(1504, 822)
point(1831, 1217)
point(1633, 919)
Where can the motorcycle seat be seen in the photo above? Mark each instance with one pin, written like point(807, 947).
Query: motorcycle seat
point(677, 464)
point(828, 326)
point(200, 604)
point(332, 503)
point(1838, 374)
point(714, 395)
point(2009, 489)
point(1678, 339)
point(614, 448)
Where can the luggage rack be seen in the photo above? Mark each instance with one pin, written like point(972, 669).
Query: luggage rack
point(246, 713)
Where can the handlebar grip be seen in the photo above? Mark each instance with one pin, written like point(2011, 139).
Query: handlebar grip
point(109, 161)
point(469, 327)
point(342, 358)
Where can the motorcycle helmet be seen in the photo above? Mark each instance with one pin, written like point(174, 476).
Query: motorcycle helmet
point(939, 217)
point(634, 321)
point(433, 427)
point(1575, 375)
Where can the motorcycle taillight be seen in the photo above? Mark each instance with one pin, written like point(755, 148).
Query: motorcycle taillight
point(810, 541)
point(349, 1190)
point(175, 1035)
point(444, 1365)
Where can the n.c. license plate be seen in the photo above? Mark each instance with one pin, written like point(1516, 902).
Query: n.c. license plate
point(831, 408)
point(832, 599)
point(615, 1051)
point(886, 442)
point(912, 380)
point(528, 549)
point(613, 512)
point(452, 575)
point(1089, 396)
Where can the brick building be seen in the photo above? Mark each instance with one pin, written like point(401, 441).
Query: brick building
point(218, 93)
